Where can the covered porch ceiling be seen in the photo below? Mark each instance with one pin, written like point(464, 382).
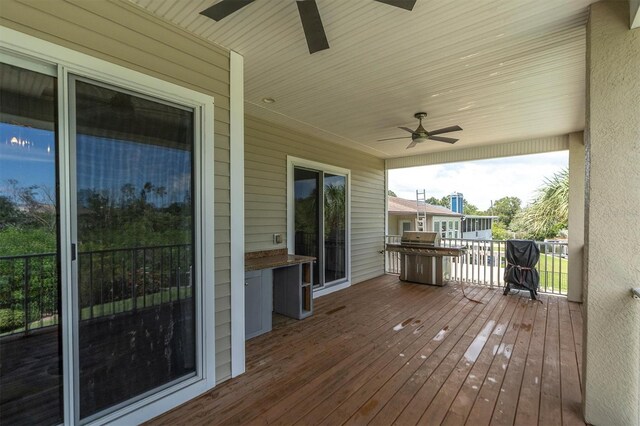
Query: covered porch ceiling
point(504, 71)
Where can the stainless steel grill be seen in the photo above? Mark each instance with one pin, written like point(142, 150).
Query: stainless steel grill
point(422, 258)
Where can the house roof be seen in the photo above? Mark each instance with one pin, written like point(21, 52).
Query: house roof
point(399, 206)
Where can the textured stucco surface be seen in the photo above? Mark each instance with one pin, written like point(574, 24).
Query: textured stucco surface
point(612, 226)
point(576, 215)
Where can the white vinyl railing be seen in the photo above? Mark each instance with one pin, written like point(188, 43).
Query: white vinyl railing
point(484, 262)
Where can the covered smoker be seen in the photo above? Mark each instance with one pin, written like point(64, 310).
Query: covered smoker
point(521, 273)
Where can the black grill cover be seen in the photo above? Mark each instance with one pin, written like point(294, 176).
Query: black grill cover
point(522, 258)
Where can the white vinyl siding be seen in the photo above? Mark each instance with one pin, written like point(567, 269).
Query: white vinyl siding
point(124, 34)
point(266, 150)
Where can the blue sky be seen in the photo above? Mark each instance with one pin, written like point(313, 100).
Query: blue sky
point(32, 163)
point(103, 164)
point(110, 164)
point(480, 181)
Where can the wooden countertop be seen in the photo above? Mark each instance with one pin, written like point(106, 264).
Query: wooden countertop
point(273, 259)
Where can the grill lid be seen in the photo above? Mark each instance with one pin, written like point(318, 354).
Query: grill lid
point(420, 238)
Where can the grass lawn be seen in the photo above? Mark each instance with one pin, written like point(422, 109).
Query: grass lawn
point(110, 308)
point(553, 273)
point(125, 305)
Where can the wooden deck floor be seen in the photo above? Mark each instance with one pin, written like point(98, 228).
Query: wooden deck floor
point(384, 352)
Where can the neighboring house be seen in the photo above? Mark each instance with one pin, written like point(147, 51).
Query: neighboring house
point(402, 216)
point(475, 227)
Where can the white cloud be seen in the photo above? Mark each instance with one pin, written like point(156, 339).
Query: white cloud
point(480, 181)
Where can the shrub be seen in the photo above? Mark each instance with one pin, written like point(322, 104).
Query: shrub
point(11, 320)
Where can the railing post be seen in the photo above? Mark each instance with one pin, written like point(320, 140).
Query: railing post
point(25, 298)
point(134, 292)
point(90, 283)
point(40, 292)
point(144, 277)
point(553, 268)
point(491, 263)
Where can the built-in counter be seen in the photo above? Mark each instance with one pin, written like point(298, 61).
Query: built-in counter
point(276, 281)
point(273, 259)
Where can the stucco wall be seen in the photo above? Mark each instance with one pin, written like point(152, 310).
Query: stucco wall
point(612, 261)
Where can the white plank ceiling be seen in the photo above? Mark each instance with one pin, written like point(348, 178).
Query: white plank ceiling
point(504, 70)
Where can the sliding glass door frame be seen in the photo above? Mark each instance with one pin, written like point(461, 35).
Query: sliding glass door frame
point(31, 53)
point(300, 163)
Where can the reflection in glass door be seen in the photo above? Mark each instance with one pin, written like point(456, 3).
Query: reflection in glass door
point(30, 321)
point(307, 216)
point(134, 216)
point(320, 221)
point(335, 229)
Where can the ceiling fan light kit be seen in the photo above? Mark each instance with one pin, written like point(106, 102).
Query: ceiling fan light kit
point(421, 135)
point(309, 16)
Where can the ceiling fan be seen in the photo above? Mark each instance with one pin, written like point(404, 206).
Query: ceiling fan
point(420, 134)
point(309, 15)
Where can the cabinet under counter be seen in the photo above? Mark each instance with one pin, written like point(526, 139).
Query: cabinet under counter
point(276, 282)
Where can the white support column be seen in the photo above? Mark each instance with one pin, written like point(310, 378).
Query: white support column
point(634, 8)
point(611, 338)
point(576, 215)
point(236, 154)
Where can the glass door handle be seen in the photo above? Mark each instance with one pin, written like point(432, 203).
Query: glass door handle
point(73, 252)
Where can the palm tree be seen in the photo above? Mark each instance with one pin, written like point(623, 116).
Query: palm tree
point(127, 193)
point(146, 189)
point(334, 208)
point(549, 211)
point(161, 191)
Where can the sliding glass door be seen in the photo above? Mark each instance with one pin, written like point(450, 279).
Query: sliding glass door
point(320, 223)
point(135, 243)
point(335, 228)
point(31, 373)
point(101, 234)
point(307, 216)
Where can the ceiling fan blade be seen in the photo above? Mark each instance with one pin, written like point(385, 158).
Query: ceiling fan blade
point(406, 129)
point(392, 139)
point(442, 139)
point(225, 8)
point(403, 4)
point(412, 144)
point(446, 130)
point(312, 25)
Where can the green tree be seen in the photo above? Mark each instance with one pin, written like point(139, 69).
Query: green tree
point(36, 204)
point(160, 191)
point(500, 232)
point(548, 214)
point(506, 208)
point(334, 208)
point(9, 213)
point(470, 209)
point(128, 194)
point(390, 193)
point(437, 202)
